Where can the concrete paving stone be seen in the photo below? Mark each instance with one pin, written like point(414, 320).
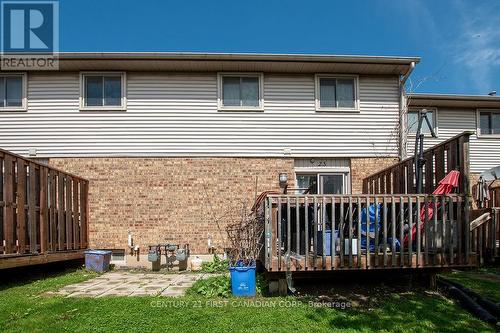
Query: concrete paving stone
point(151, 288)
point(123, 283)
point(143, 293)
point(114, 293)
point(121, 288)
point(84, 294)
point(172, 293)
point(116, 282)
point(177, 288)
point(70, 288)
point(60, 293)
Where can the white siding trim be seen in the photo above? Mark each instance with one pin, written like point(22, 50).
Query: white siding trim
point(323, 170)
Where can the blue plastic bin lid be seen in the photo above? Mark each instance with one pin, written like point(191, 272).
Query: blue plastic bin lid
point(98, 252)
point(241, 269)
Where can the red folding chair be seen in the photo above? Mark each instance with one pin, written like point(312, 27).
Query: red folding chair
point(446, 186)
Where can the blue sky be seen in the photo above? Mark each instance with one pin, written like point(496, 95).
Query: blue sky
point(459, 41)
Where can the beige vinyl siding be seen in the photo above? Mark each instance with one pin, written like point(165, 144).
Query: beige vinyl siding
point(176, 115)
point(484, 152)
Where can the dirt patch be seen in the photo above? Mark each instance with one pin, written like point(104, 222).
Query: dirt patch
point(367, 294)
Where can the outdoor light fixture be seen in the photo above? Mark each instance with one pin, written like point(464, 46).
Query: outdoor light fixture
point(283, 178)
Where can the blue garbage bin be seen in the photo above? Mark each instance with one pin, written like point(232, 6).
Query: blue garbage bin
point(97, 260)
point(243, 281)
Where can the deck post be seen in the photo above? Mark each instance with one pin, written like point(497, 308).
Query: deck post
point(323, 232)
point(32, 227)
point(315, 232)
point(44, 223)
point(8, 211)
point(279, 232)
point(267, 233)
point(467, 229)
point(419, 223)
point(21, 202)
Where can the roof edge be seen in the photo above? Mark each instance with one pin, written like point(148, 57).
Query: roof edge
point(454, 97)
point(237, 57)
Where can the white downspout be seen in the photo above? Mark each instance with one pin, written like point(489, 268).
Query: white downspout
point(402, 109)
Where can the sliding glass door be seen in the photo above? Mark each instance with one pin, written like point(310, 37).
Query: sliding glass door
point(322, 183)
point(331, 183)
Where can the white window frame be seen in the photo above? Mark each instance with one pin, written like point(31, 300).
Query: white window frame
point(220, 101)
point(24, 93)
point(435, 116)
point(121, 107)
point(317, 100)
point(478, 124)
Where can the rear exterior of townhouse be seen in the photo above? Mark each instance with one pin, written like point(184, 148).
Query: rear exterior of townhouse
point(174, 144)
point(454, 114)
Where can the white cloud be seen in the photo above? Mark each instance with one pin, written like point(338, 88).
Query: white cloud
point(477, 42)
point(468, 37)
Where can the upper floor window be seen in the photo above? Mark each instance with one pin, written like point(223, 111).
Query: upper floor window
point(336, 93)
point(240, 91)
point(12, 92)
point(413, 121)
point(489, 122)
point(103, 91)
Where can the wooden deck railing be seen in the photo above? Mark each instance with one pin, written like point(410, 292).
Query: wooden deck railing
point(485, 235)
point(452, 154)
point(42, 209)
point(299, 237)
point(494, 197)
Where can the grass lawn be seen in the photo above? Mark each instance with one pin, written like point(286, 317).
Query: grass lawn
point(25, 306)
point(484, 281)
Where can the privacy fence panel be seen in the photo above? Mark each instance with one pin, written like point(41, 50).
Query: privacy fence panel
point(42, 209)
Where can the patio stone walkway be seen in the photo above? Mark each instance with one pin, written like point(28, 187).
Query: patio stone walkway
point(123, 283)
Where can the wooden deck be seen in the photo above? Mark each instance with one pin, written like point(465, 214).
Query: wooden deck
point(43, 213)
point(298, 232)
point(328, 232)
point(18, 260)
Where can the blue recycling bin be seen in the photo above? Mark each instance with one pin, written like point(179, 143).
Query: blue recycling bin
point(97, 260)
point(243, 281)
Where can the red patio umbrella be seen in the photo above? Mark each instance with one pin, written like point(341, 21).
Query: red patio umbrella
point(446, 186)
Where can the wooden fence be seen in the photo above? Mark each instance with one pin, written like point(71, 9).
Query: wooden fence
point(452, 154)
point(42, 209)
point(330, 232)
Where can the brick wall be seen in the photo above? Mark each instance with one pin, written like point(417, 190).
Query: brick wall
point(173, 200)
point(178, 200)
point(364, 167)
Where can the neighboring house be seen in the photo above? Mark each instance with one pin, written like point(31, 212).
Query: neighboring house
point(454, 114)
point(173, 143)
